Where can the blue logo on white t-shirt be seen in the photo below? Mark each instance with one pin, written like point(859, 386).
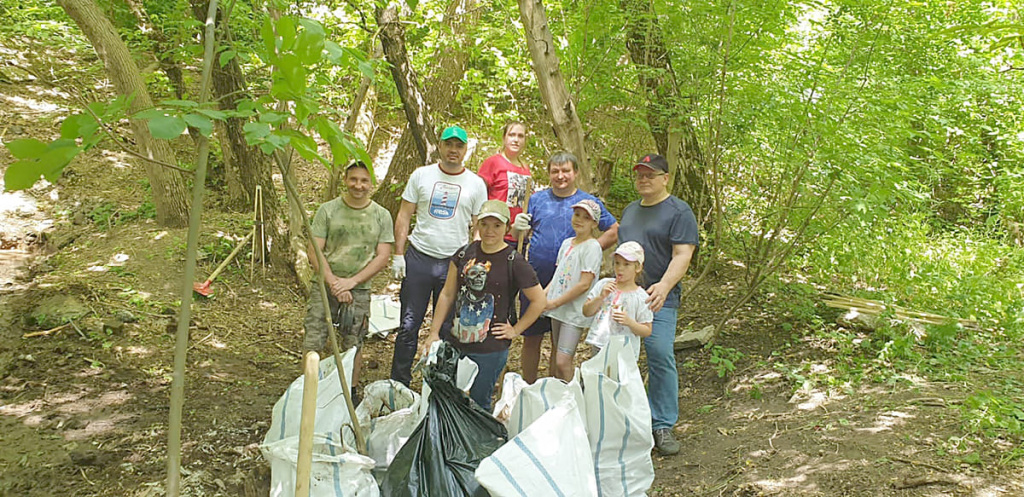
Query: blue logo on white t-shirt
point(443, 200)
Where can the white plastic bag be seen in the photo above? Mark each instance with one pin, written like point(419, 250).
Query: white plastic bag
point(618, 421)
point(510, 388)
point(387, 418)
point(334, 472)
point(551, 457)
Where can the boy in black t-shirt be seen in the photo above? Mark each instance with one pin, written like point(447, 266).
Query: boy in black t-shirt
point(483, 279)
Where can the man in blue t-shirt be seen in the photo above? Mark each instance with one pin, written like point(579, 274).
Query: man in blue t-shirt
point(549, 219)
point(667, 229)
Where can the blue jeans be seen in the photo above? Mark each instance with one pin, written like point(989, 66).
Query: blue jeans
point(490, 365)
point(424, 279)
point(662, 378)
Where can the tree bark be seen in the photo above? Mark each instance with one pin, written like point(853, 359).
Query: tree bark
point(417, 113)
point(169, 191)
point(566, 121)
point(440, 96)
point(680, 146)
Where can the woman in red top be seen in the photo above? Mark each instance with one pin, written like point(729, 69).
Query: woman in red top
point(505, 173)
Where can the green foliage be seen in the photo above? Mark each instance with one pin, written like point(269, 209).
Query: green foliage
point(724, 360)
point(109, 214)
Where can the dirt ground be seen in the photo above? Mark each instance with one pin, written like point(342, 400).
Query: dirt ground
point(87, 317)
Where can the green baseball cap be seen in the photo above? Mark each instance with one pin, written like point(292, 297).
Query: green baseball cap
point(454, 132)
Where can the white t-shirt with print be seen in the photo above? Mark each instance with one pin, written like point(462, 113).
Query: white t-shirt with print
point(634, 304)
point(572, 262)
point(445, 206)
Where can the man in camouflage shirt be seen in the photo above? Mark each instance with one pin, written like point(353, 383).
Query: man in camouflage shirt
point(355, 235)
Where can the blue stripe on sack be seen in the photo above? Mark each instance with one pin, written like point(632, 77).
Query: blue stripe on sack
point(284, 413)
point(544, 395)
point(600, 436)
point(541, 468)
point(520, 412)
point(337, 468)
point(508, 476)
point(391, 397)
point(622, 450)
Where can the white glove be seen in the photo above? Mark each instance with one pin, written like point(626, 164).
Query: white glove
point(522, 222)
point(398, 266)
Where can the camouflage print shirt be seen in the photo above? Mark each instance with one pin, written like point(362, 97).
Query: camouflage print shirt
point(352, 235)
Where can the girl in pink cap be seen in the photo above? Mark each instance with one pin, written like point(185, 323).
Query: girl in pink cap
point(577, 266)
point(620, 303)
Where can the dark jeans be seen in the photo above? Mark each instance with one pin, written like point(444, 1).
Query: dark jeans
point(424, 279)
point(490, 365)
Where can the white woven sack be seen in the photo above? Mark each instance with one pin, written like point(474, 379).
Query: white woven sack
point(331, 411)
point(334, 472)
point(387, 419)
point(551, 457)
point(618, 421)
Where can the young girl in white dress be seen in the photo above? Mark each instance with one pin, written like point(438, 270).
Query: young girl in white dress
point(620, 303)
point(577, 266)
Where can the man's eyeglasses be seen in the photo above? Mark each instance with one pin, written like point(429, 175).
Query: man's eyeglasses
point(647, 176)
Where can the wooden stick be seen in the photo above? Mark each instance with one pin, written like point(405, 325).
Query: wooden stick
point(304, 465)
point(875, 307)
point(526, 207)
point(45, 332)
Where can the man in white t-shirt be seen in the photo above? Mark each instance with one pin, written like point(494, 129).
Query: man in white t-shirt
point(446, 197)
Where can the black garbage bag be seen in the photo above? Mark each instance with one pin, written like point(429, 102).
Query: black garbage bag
point(441, 456)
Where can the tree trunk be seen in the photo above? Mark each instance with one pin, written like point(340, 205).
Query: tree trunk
point(169, 191)
point(567, 126)
point(357, 123)
point(439, 95)
point(680, 146)
point(164, 49)
point(392, 40)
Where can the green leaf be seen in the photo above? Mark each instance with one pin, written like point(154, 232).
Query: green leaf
point(412, 4)
point(28, 148)
point(166, 127)
point(255, 132)
point(366, 68)
point(185, 104)
point(335, 53)
point(149, 114)
point(21, 175)
point(312, 26)
point(52, 163)
point(78, 126)
point(286, 31)
point(269, 40)
point(213, 114)
point(274, 118)
point(226, 57)
point(200, 122)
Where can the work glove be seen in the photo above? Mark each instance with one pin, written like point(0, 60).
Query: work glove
point(398, 266)
point(522, 222)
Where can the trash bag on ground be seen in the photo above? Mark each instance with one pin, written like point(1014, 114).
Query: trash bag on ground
point(534, 400)
point(551, 457)
point(334, 472)
point(441, 456)
point(390, 411)
point(618, 420)
point(388, 417)
point(337, 469)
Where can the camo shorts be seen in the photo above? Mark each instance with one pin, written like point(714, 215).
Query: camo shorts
point(351, 320)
